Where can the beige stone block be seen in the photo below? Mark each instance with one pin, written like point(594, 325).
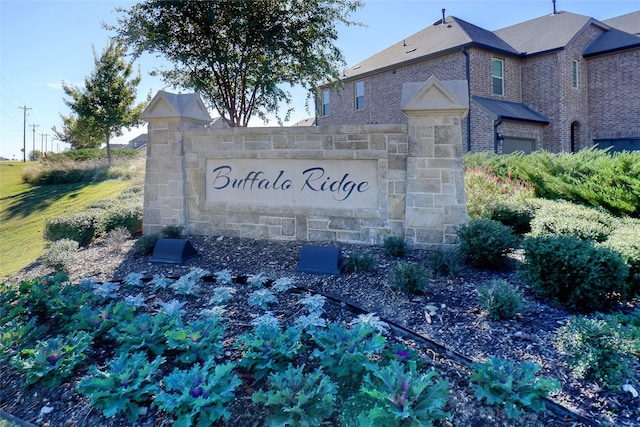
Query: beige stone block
point(424, 218)
point(396, 207)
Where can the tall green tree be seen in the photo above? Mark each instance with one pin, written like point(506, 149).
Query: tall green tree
point(107, 100)
point(239, 54)
point(79, 132)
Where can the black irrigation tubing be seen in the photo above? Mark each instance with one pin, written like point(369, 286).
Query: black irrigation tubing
point(437, 347)
point(457, 357)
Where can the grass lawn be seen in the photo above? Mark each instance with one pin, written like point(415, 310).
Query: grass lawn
point(24, 210)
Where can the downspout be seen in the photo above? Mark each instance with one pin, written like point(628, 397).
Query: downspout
point(468, 77)
point(496, 123)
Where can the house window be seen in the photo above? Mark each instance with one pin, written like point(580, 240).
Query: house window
point(324, 110)
point(497, 74)
point(359, 96)
point(575, 74)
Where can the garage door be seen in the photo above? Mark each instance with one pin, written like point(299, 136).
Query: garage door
point(518, 144)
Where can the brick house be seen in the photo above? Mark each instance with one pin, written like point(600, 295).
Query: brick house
point(559, 82)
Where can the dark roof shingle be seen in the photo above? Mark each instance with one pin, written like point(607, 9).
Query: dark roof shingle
point(509, 110)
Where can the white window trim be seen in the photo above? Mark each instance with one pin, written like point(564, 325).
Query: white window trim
point(325, 109)
point(497, 77)
point(575, 74)
point(356, 96)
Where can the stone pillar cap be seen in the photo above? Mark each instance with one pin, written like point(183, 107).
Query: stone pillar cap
point(186, 107)
point(434, 97)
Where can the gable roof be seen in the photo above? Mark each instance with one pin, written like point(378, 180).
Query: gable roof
point(508, 110)
point(188, 107)
point(611, 41)
point(629, 23)
point(434, 40)
point(552, 32)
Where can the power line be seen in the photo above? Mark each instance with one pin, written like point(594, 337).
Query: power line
point(24, 134)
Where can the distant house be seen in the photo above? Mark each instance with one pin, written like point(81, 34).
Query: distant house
point(138, 143)
point(559, 82)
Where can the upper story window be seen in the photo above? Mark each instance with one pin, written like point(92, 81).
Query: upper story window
point(324, 109)
point(359, 95)
point(497, 75)
point(575, 73)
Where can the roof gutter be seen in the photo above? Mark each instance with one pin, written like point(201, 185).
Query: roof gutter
point(496, 138)
point(468, 77)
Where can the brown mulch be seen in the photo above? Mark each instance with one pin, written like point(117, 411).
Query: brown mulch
point(447, 315)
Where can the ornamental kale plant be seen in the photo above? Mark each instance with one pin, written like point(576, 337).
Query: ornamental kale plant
point(514, 387)
point(54, 359)
point(268, 348)
point(345, 353)
point(403, 396)
point(199, 340)
point(16, 335)
point(298, 398)
point(188, 284)
point(128, 384)
point(198, 396)
point(100, 321)
point(144, 332)
point(261, 298)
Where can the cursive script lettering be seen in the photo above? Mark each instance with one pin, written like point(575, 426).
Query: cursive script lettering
point(315, 180)
point(253, 179)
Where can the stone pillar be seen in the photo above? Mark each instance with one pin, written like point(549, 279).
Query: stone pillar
point(435, 197)
point(165, 188)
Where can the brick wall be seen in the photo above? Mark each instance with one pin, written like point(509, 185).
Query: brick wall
point(614, 95)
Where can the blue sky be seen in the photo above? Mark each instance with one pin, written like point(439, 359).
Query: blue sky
point(43, 43)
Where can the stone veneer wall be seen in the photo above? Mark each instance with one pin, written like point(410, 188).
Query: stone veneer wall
point(420, 179)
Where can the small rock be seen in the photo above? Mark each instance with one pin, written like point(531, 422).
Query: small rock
point(46, 410)
point(630, 389)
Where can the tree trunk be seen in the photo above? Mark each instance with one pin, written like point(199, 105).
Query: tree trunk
point(108, 150)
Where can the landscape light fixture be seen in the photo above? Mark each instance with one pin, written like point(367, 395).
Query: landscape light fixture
point(320, 260)
point(173, 251)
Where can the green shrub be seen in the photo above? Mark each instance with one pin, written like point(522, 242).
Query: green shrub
point(145, 244)
point(501, 300)
point(171, 232)
point(409, 277)
point(80, 227)
point(568, 219)
point(595, 349)
point(395, 246)
point(484, 190)
point(575, 272)
point(360, 263)
point(513, 213)
point(625, 240)
point(485, 243)
point(127, 214)
point(447, 261)
point(591, 177)
point(61, 254)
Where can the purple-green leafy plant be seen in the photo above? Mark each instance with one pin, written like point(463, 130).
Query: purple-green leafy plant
point(128, 383)
point(145, 332)
point(198, 396)
point(514, 387)
point(345, 352)
point(100, 321)
point(298, 398)
point(17, 334)
point(198, 340)
point(50, 361)
point(403, 396)
point(268, 348)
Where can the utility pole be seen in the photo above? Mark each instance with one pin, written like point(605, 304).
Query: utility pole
point(33, 126)
point(42, 147)
point(24, 134)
